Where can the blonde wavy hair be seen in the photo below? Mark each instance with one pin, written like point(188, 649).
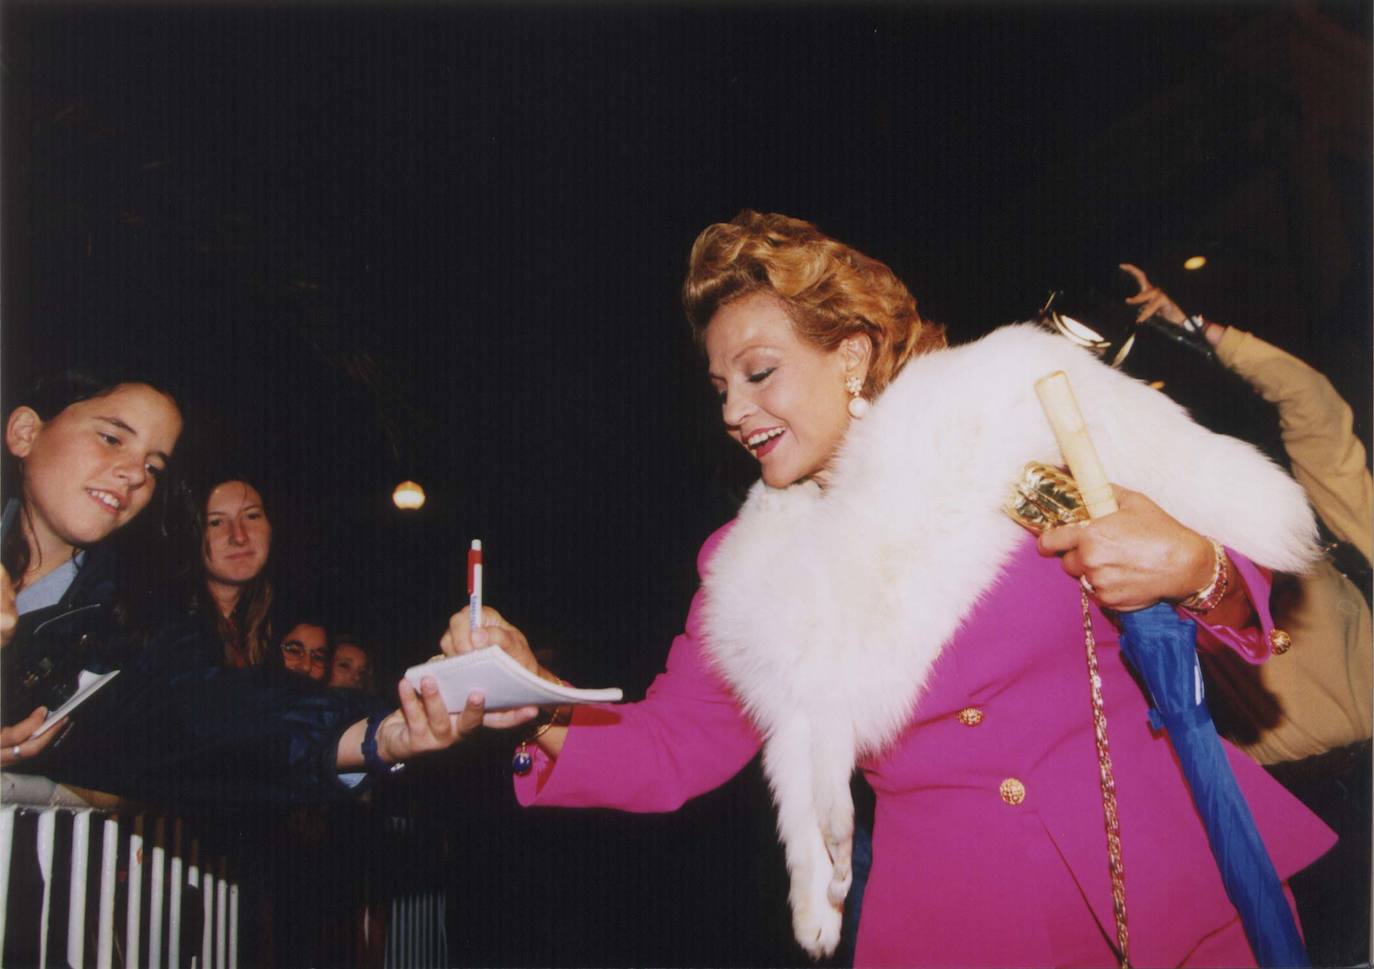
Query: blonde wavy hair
point(830, 290)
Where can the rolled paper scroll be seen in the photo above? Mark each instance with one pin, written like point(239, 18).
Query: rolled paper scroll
point(1061, 409)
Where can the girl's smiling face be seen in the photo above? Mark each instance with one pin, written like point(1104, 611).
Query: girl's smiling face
point(782, 398)
point(92, 468)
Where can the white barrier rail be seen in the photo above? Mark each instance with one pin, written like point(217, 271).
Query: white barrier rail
point(81, 886)
point(70, 877)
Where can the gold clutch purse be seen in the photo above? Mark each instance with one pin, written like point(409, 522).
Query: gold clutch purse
point(1043, 497)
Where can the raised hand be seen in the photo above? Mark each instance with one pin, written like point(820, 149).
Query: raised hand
point(1152, 300)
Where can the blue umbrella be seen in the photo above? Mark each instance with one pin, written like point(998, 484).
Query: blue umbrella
point(1162, 647)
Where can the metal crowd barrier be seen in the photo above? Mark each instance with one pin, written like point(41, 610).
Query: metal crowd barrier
point(417, 931)
point(79, 887)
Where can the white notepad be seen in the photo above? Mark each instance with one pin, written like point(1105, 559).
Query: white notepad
point(504, 682)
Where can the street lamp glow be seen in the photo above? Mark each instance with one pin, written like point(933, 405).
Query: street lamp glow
point(1194, 262)
point(408, 496)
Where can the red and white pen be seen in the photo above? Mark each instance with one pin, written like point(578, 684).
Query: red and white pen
point(475, 584)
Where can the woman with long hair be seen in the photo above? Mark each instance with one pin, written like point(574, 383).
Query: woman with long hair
point(228, 550)
point(236, 546)
point(872, 606)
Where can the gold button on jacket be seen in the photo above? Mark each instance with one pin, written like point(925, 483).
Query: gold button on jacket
point(1012, 791)
point(1279, 641)
point(970, 716)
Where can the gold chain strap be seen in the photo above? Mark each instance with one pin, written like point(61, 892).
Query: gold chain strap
point(1042, 497)
point(1104, 763)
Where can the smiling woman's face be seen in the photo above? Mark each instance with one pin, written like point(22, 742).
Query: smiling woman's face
point(238, 536)
point(782, 398)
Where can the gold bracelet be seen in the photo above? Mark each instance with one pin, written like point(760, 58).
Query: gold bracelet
point(562, 716)
point(1206, 598)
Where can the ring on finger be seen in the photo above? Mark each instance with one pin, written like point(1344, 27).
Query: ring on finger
point(16, 752)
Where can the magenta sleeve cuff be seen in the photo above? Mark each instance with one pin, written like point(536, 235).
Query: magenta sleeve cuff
point(1252, 642)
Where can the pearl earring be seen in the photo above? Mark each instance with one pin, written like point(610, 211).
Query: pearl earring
point(858, 407)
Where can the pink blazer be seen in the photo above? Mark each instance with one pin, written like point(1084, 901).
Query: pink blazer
point(962, 876)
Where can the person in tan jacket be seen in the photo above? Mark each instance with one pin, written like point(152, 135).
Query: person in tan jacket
point(1316, 697)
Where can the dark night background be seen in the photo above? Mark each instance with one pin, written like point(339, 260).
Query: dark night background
point(444, 243)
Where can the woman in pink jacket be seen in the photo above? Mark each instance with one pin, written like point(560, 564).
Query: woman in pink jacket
point(873, 606)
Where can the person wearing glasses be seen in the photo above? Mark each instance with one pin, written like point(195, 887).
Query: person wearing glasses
point(306, 649)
